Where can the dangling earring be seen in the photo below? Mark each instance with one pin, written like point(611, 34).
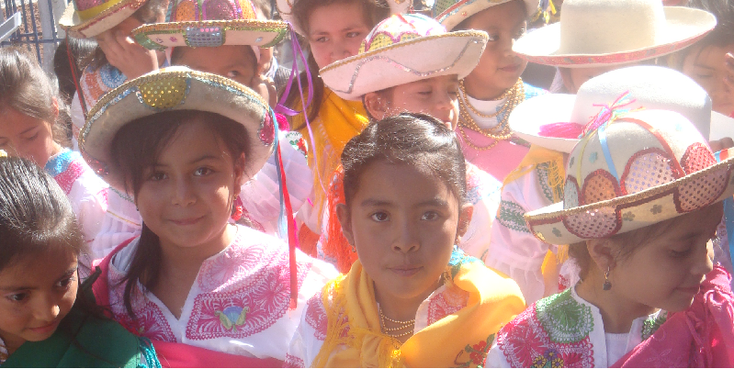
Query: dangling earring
point(607, 285)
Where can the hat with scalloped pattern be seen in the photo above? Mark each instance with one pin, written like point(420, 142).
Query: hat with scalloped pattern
point(389, 54)
point(635, 170)
point(452, 12)
point(211, 23)
point(89, 18)
point(285, 9)
point(170, 89)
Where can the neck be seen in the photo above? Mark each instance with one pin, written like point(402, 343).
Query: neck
point(617, 312)
point(185, 262)
point(403, 309)
point(482, 91)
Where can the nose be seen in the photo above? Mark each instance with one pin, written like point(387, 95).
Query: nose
point(703, 263)
point(47, 308)
point(443, 107)
point(340, 51)
point(182, 192)
point(407, 239)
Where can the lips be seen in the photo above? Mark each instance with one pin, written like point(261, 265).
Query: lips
point(186, 221)
point(46, 329)
point(406, 270)
point(510, 68)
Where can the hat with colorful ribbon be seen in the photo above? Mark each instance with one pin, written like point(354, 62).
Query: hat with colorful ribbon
point(612, 32)
point(452, 12)
point(89, 18)
point(555, 121)
point(285, 9)
point(211, 23)
point(390, 56)
point(169, 89)
point(638, 169)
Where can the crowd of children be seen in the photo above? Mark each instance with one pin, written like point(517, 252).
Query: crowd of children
point(366, 183)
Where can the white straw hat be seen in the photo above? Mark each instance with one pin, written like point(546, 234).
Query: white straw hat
point(452, 12)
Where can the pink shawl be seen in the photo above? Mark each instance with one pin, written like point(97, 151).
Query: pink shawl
point(702, 336)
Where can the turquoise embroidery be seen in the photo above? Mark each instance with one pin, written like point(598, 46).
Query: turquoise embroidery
point(510, 216)
point(565, 320)
point(232, 317)
point(60, 163)
point(650, 325)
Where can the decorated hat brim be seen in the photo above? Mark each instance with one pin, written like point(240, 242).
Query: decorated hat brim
point(106, 19)
point(462, 10)
point(397, 64)
point(683, 27)
point(170, 89)
point(210, 33)
point(558, 226)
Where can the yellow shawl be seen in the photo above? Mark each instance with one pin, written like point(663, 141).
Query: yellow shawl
point(338, 121)
point(459, 339)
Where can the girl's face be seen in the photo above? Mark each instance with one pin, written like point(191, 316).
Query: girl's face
point(336, 32)
point(186, 197)
point(404, 223)
point(236, 62)
point(437, 96)
point(668, 269)
point(499, 67)
point(37, 292)
point(26, 137)
point(707, 67)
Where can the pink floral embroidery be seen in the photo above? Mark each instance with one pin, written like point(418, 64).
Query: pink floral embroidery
point(236, 262)
point(316, 316)
point(446, 303)
point(293, 362)
point(67, 178)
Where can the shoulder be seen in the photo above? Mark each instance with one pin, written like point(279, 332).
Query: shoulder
point(69, 168)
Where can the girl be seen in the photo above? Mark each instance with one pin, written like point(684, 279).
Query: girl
point(183, 142)
point(642, 243)
point(412, 298)
point(417, 86)
point(30, 127)
point(333, 30)
point(233, 49)
point(46, 318)
point(493, 89)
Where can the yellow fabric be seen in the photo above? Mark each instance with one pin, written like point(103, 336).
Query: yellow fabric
point(338, 121)
point(95, 11)
point(556, 177)
point(350, 303)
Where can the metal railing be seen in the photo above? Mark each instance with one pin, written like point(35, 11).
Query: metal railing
point(32, 24)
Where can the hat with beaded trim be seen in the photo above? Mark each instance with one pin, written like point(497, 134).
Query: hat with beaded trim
point(612, 32)
point(387, 57)
point(452, 12)
point(639, 169)
point(285, 9)
point(555, 121)
point(170, 89)
point(211, 23)
point(89, 18)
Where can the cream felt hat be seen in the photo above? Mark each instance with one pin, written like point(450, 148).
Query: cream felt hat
point(452, 12)
point(402, 49)
point(611, 32)
point(554, 121)
point(636, 170)
point(285, 9)
point(211, 23)
point(89, 18)
point(169, 89)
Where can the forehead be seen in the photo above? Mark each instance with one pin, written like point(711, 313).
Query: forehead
point(336, 17)
point(507, 15)
point(711, 55)
point(213, 57)
point(37, 269)
point(401, 184)
point(12, 122)
point(193, 140)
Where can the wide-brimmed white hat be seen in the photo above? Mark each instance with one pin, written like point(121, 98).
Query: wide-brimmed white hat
point(169, 89)
point(285, 9)
point(89, 18)
point(211, 23)
point(554, 121)
point(452, 12)
point(612, 32)
point(402, 49)
point(639, 169)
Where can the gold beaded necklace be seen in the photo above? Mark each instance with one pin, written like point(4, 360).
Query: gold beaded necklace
point(514, 96)
point(406, 327)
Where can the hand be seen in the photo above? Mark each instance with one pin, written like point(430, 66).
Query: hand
point(724, 143)
point(125, 54)
point(266, 88)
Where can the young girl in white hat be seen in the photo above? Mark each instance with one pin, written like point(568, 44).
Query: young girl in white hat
point(389, 79)
point(201, 288)
point(641, 203)
point(493, 89)
point(413, 299)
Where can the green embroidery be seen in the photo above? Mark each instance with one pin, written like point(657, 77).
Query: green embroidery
point(477, 354)
point(543, 171)
point(565, 320)
point(650, 325)
point(510, 216)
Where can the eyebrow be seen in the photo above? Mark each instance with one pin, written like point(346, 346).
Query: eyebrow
point(432, 202)
point(28, 130)
point(345, 29)
point(201, 158)
point(18, 288)
point(703, 66)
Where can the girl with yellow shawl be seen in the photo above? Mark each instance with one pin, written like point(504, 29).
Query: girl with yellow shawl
point(412, 298)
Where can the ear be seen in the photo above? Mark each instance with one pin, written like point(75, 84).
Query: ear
point(567, 80)
point(465, 214)
point(376, 105)
point(342, 213)
point(601, 252)
point(239, 173)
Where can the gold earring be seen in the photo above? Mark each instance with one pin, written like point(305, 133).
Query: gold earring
point(607, 285)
